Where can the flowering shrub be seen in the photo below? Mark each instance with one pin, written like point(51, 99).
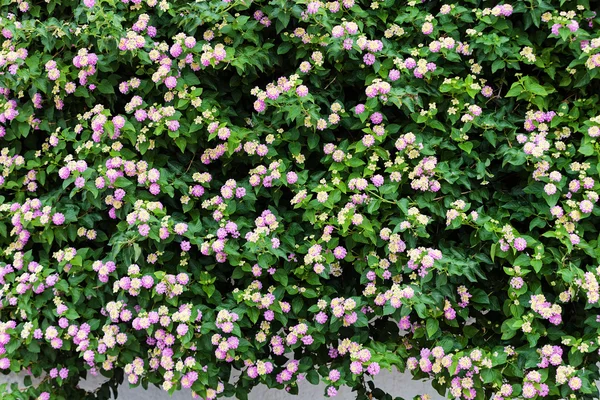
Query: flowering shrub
point(300, 190)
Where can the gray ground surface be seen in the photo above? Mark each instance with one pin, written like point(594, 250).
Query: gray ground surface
point(395, 383)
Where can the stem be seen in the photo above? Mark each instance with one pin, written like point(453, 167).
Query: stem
point(381, 198)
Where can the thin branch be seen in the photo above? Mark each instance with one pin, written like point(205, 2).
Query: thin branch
point(333, 80)
point(190, 164)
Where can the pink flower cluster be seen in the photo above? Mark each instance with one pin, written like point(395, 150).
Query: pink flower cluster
point(262, 18)
point(287, 374)
point(11, 59)
point(547, 310)
point(504, 10)
point(225, 347)
point(86, 63)
point(259, 368)
point(423, 259)
point(296, 332)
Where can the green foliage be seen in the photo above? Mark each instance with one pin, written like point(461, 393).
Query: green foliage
point(300, 190)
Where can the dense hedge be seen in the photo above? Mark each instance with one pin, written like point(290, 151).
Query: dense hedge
point(300, 190)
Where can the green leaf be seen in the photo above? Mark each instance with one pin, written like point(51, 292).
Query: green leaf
point(586, 149)
point(297, 304)
point(434, 123)
point(284, 48)
point(191, 79)
point(253, 314)
point(537, 265)
point(515, 90)
point(479, 296)
point(491, 376)
point(281, 276)
point(313, 377)
point(209, 290)
point(466, 146)
point(71, 314)
point(295, 148)
point(534, 88)
point(34, 346)
point(432, 327)
point(498, 64)
point(181, 142)
point(490, 136)
point(313, 141)
point(105, 87)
